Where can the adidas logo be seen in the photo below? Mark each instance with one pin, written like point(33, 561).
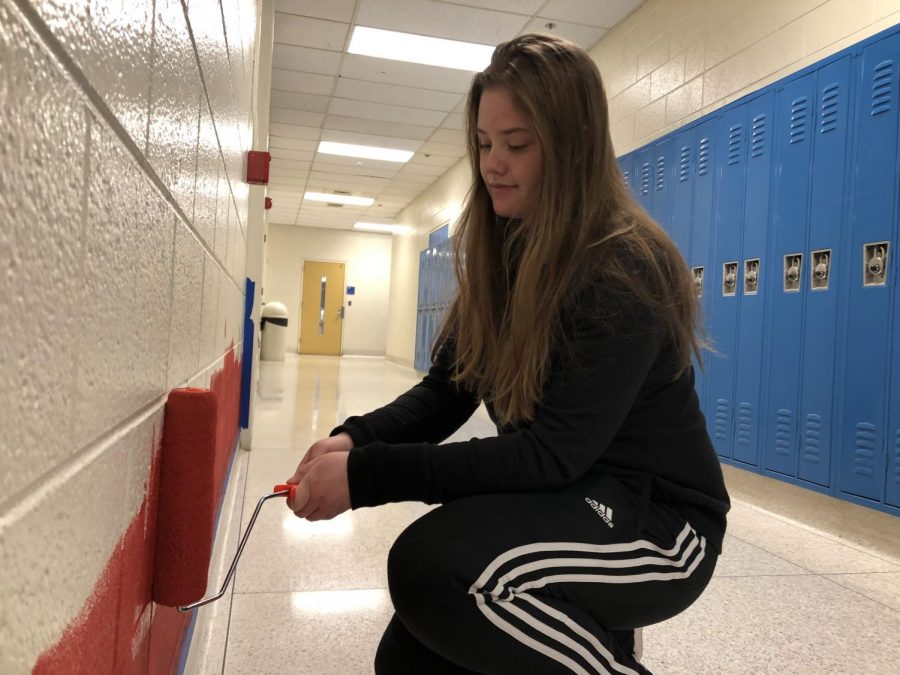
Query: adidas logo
point(604, 512)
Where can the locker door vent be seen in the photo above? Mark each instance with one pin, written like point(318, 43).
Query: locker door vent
point(830, 97)
point(864, 450)
point(645, 178)
point(703, 157)
point(758, 136)
point(896, 478)
point(626, 177)
point(812, 439)
point(735, 138)
point(660, 173)
point(744, 423)
point(882, 87)
point(784, 424)
point(684, 165)
point(798, 120)
point(720, 423)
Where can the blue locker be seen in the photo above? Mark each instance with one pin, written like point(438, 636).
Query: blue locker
point(750, 366)
point(626, 166)
point(731, 167)
point(784, 274)
point(663, 176)
point(826, 237)
point(643, 170)
point(873, 211)
point(682, 191)
point(701, 230)
point(420, 313)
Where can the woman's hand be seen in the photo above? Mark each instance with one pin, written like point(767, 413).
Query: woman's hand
point(323, 490)
point(340, 443)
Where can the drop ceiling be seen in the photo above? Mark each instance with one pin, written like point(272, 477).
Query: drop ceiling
point(322, 93)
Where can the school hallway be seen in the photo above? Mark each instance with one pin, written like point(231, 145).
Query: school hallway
point(816, 592)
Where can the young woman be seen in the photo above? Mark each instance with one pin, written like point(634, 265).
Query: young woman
point(600, 506)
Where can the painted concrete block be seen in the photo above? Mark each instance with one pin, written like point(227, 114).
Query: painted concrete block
point(209, 343)
point(223, 213)
point(109, 40)
point(123, 324)
point(174, 105)
point(208, 161)
point(184, 338)
point(53, 550)
point(42, 156)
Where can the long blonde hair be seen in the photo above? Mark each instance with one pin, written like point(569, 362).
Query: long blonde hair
point(517, 275)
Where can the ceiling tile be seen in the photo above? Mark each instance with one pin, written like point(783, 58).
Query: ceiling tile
point(423, 169)
point(284, 142)
point(305, 59)
point(451, 136)
point(293, 100)
point(290, 164)
point(447, 149)
point(454, 22)
point(405, 74)
point(386, 113)
point(370, 139)
point(391, 93)
point(321, 164)
point(590, 12)
point(294, 131)
point(308, 83)
point(583, 36)
point(297, 117)
point(308, 32)
point(335, 10)
point(322, 178)
point(455, 121)
point(294, 155)
point(528, 7)
point(378, 127)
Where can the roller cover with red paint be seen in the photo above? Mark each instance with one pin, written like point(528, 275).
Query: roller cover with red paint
point(186, 497)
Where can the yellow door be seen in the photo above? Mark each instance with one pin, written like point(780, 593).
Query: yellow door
point(322, 308)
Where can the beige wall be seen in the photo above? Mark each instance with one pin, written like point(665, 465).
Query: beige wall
point(368, 259)
point(669, 63)
point(673, 61)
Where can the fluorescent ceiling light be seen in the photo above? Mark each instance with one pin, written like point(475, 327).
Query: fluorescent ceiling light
point(382, 227)
point(364, 151)
point(429, 51)
point(338, 199)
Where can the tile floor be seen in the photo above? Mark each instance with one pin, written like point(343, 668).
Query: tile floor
point(813, 593)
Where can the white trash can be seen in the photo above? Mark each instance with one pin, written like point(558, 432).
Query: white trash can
point(273, 327)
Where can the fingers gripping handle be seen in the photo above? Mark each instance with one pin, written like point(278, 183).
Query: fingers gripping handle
point(277, 491)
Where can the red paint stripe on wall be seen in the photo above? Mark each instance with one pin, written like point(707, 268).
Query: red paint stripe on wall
point(119, 630)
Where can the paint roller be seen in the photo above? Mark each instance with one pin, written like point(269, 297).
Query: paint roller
point(187, 502)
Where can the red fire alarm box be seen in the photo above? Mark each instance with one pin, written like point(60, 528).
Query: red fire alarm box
point(268, 203)
point(258, 167)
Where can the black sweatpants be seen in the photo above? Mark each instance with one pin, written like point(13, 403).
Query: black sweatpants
point(536, 584)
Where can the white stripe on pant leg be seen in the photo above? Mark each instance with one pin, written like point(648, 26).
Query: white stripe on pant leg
point(580, 630)
point(613, 578)
point(576, 547)
point(528, 641)
point(620, 563)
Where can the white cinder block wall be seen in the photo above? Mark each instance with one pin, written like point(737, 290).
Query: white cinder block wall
point(123, 126)
point(669, 63)
point(368, 267)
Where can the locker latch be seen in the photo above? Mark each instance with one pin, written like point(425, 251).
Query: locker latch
point(821, 269)
point(793, 264)
point(729, 278)
point(698, 280)
point(875, 264)
point(751, 276)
